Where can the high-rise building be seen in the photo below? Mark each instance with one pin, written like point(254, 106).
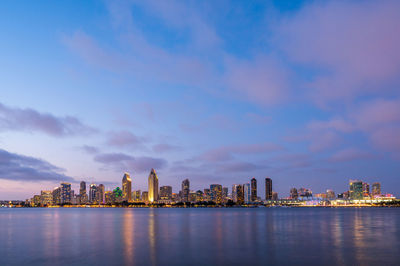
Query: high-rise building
point(305, 193)
point(192, 196)
point(330, 194)
point(376, 189)
point(165, 193)
point(247, 193)
point(253, 189)
point(224, 194)
point(239, 194)
point(199, 196)
point(109, 197)
point(207, 194)
point(100, 194)
point(268, 188)
point(216, 193)
point(356, 189)
point(127, 188)
point(145, 196)
point(293, 193)
point(153, 186)
point(118, 195)
point(46, 198)
point(185, 190)
point(365, 189)
point(136, 195)
point(234, 192)
point(92, 193)
point(56, 195)
point(274, 195)
point(65, 193)
point(83, 197)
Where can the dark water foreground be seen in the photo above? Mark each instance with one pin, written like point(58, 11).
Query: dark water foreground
point(261, 236)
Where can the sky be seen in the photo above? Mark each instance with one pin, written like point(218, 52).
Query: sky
point(304, 92)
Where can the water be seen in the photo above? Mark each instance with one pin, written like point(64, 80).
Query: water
point(259, 236)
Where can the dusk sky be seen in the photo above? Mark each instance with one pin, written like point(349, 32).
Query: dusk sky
point(304, 92)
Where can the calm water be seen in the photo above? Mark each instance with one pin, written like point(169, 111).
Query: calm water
point(262, 236)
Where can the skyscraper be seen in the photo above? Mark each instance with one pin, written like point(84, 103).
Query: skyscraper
point(65, 193)
point(376, 189)
point(268, 188)
point(239, 194)
point(293, 193)
point(127, 188)
point(185, 190)
point(165, 193)
point(234, 193)
point(100, 194)
point(83, 197)
point(253, 189)
point(365, 189)
point(56, 195)
point(356, 189)
point(153, 186)
point(92, 193)
point(247, 193)
point(46, 198)
point(224, 194)
point(216, 193)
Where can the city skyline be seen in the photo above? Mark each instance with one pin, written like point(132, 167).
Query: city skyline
point(230, 91)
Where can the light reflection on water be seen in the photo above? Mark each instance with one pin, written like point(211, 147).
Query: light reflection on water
point(200, 236)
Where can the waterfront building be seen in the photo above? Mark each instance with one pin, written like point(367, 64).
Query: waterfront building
point(166, 193)
point(83, 197)
point(247, 193)
point(274, 195)
point(224, 194)
point(268, 188)
point(153, 186)
point(253, 189)
point(92, 193)
point(36, 200)
point(199, 196)
point(145, 196)
point(46, 198)
point(192, 196)
point(56, 196)
point(127, 188)
point(305, 193)
point(365, 189)
point(65, 193)
point(207, 194)
point(293, 193)
point(100, 194)
point(216, 193)
point(330, 194)
point(376, 189)
point(356, 189)
point(136, 196)
point(239, 194)
point(118, 195)
point(185, 190)
point(109, 197)
point(234, 192)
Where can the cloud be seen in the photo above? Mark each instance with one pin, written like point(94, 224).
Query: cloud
point(351, 154)
point(125, 162)
point(24, 168)
point(126, 139)
point(238, 167)
point(30, 120)
point(165, 147)
point(90, 149)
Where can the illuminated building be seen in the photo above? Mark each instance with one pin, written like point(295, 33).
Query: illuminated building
point(224, 194)
point(216, 193)
point(268, 188)
point(118, 195)
point(356, 190)
point(199, 196)
point(376, 189)
point(305, 193)
point(109, 197)
point(192, 196)
point(247, 193)
point(100, 194)
point(239, 194)
point(274, 195)
point(127, 188)
point(56, 196)
point(83, 197)
point(165, 193)
point(365, 189)
point(36, 200)
point(253, 189)
point(145, 196)
point(65, 193)
point(207, 194)
point(330, 194)
point(92, 193)
point(153, 186)
point(293, 193)
point(185, 190)
point(136, 195)
point(46, 198)
point(234, 194)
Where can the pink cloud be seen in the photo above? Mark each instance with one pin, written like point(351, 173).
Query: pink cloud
point(351, 154)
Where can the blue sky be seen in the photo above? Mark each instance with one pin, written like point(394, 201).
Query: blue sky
point(304, 92)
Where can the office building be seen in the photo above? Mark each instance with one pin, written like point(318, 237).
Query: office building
point(216, 193)
point(46, 198)
point(356, 190)
point(127, 188)
point(293, 193)
point(253, 189)
point(239, 194)
point(92, 193)
point(65, 193)
point(153, 186)
point(185, 190)
point(247, 193)
point(83, 197)
point(165, 193)
point(268, 188)
point(100, 194)
point(376, 189)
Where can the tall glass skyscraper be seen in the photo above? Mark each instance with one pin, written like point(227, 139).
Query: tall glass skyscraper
point(253, 189)
point(153, 186)
point(216, 193)
point(92, 193)
point(65, 193)
point(100, 194)
point(185, 190)
point(127, 188)
point(247, 193)
point(83, 197)
point(268, 188)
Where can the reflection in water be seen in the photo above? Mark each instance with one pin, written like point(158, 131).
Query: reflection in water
point(236, 236)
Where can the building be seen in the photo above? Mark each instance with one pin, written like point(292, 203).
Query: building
point(330, 194)
point(127, 188)
point(207, 194)
point(145, 196)
point(153, 186)
point(100, 194)
point(366, 189)
point(225, 194)
point(234, 194)
point(66, 194)
point(109, 197)
point(216, 193)
point(268, 188)
point(253, 189)
point(356, 190)
point(185, 190)
point(36, 200)
point(293, 193)
point(247, 193)
point(192, 196)
point(376, 189)
point(239, 194)
point(199, 196)
point(136, 196)
point(56, 196)
point(305, 193)
point(83, 197)
point(165, 193)
point(92, 193)
point(118, 195)
point(46, 198)
point(274, 195)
